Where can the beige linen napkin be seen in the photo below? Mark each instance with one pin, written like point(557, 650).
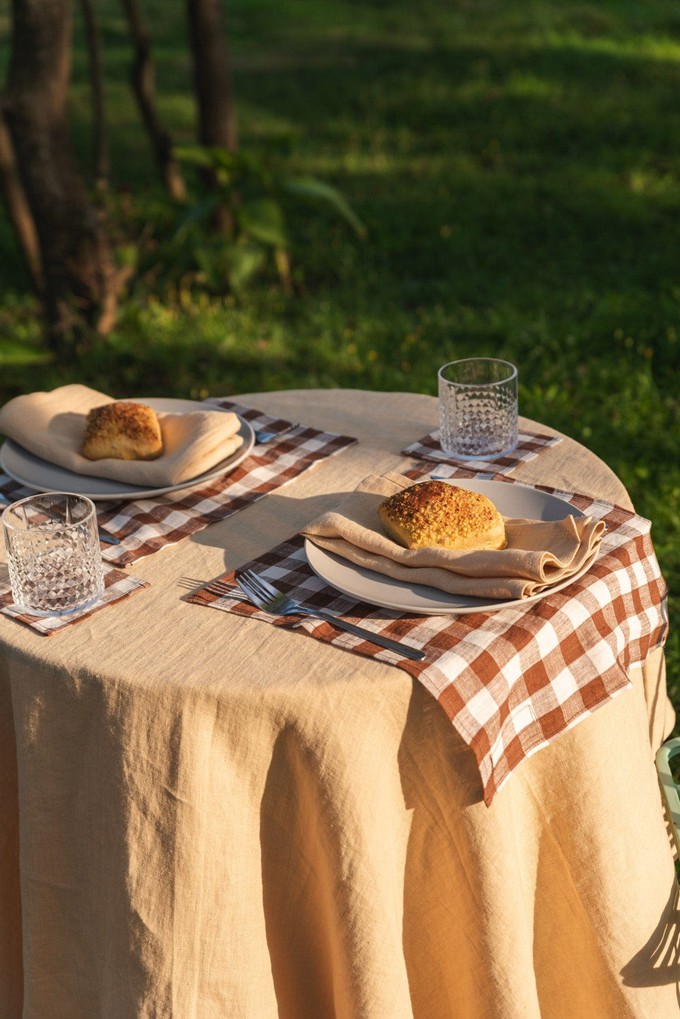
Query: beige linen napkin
point(52, 426)
point(539, 553)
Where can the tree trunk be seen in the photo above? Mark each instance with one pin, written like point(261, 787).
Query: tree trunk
point(80, 282)
point(17, 207)
point(212, 75)
point(143, 86)
point(212, 83)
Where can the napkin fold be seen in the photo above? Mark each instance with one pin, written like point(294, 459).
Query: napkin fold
point(539, 553)
point(52, 426)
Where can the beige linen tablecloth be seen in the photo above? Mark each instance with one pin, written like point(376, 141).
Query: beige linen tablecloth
point(204, 817)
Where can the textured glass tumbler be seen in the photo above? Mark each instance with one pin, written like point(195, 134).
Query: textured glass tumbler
point(53, 553)
point(478, 408)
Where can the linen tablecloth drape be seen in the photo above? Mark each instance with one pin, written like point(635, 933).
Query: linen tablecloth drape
point(202, 816)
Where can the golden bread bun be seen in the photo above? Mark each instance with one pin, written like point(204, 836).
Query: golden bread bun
point(122, 431)
point(435, 513)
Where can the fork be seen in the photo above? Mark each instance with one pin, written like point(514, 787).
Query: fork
point(266, 597)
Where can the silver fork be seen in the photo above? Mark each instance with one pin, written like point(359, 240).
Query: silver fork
point(266, 597)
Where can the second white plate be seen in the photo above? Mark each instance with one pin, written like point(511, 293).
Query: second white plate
point(39, 474)
point(512, 500)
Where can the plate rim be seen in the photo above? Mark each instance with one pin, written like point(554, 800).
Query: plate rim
point(448, 606)
point(132, 492)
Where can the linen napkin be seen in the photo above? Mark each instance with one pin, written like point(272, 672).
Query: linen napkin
point(538, 555)
point(52, 426)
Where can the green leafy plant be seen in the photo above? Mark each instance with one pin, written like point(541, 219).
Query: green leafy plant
point(250, 200)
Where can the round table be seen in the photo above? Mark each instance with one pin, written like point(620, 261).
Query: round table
point(207, 816)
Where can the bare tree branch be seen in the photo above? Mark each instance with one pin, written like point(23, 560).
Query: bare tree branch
point(100, 129)
point(144, 87)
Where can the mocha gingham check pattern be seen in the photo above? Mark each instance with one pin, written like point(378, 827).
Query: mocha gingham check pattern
point(145, 526)
point(117, 585)
point(511, 680)
point(529, 445)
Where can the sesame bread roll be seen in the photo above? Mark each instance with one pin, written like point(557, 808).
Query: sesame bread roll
point(122, 431)
point(435, 513)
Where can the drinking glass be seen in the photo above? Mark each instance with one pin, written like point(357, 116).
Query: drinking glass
point(478, 408)
point(53, 553)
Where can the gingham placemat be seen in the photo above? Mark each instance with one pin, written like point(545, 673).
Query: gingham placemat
point(511, 680)
point(530, 445)
point(117, 585)
point(146, 525)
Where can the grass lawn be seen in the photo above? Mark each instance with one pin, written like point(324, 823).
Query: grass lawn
point(517, 166)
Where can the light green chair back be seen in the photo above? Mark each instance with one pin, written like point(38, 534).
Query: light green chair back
point(670, 789)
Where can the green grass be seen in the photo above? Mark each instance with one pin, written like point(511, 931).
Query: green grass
point(518, 168)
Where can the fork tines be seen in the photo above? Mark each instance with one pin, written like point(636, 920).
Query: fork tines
point(222, 588)
point(259, 584)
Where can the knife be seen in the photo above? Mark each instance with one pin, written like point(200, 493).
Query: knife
point(107, 537)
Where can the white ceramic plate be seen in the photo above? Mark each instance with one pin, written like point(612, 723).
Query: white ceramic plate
point(33, 472)
point(512, 500)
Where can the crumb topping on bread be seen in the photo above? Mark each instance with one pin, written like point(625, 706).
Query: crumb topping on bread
point(439, 514)
point(122, 430)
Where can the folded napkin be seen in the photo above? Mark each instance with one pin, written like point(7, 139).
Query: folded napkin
point(52, 426)
point(538, 555)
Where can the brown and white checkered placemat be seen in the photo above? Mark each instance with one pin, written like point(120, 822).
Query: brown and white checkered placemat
point(514, 679)
point(530, 445)
point(146, 525)
point(118, 585)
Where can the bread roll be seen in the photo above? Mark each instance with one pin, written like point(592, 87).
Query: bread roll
point(122, 431)
point(436, 513)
